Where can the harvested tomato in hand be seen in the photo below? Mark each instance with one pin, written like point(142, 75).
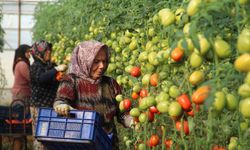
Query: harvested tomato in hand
point(59, 75)
point(177, 54)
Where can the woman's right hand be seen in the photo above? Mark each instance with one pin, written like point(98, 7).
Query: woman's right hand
point(63, 109)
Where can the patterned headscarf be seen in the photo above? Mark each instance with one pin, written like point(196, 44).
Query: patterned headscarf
point(39, 48)
point(83, 57)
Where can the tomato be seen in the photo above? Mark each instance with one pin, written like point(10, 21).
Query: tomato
point(163, 96)
point(128, 143)
point(121, 106)
point(166, 16)
point(244, 90)
point(151, 116)
point(174, 109)
point(146, 79)
point(217, 147)
point(184, 101)
point(222, 48)
point(154, 79)
point(119, 98)
point(134, 112)
point(219, 101)
point(143, 104)
point(141, 146)
point(143, 56)
point(136, 88)
point(177, 54)
point(153, 109)
point(143, 93)
point(174, 91)
point(127, 104)
point(243, 126)
point(143, 118)
point(154, 140)
point(244, 107)
point(133, 45)
point(231, 102)
point(243, 43)
point(151, 32)
point(204, 44)
point(242, 63)
point(135, 95)
point(247, 79)
point(163, 106)
point(135, 71)
point(196, 77)
point(150, 100)
point(201, 94)
point(193, 7)
point(168, 143)
point(152, 58)
point(178, 126)
point(195, 60)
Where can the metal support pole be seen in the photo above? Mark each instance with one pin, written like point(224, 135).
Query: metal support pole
point(19, 22)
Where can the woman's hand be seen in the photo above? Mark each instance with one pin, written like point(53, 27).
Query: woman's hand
point(63, 109)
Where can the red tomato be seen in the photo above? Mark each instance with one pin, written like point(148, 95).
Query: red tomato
point(153, 109)
point(135, 95)
point(143, 93)
point(184, 101)
point(127, 104)
point(177, 54)
point(168, 143)
point(151, 116)
point(135, 71)
point(178, 126)
point(154, 79)
point(154, 140)
point(200, 94)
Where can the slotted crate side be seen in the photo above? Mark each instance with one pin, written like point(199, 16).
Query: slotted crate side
point(82, 130)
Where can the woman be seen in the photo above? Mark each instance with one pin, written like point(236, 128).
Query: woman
point(43, 81)
point(21, 88)
point(86, 88)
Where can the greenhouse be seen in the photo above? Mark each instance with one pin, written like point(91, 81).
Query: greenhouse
point(128, 74)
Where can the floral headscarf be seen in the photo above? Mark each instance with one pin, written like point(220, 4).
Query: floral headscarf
point(39, 48)
point(83, 57)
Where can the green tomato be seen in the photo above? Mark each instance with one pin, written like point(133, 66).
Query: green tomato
point(244, 107)
point(231, 102)
point(195, 60)
point(146, 79)
point(134, 112)
point(143, 104)
point(143, 118)
point(150, 100)
point(174, 91)
point(174, 109)
point(141, 146)
point(119, 97)
point(166, 16)
point(163, 106)
point(243, 43)
point(244, 90)
point(163, 96)
point(193, 7)
point(219, 101)
point(222, 48)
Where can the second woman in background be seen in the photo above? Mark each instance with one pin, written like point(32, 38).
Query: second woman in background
point(43, 81)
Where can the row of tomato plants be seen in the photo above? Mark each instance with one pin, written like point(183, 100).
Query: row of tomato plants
point(183, 66)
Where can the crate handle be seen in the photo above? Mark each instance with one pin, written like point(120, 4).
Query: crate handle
point(70, 115)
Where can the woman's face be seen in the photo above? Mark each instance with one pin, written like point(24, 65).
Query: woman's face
point(99, 64)
point(47, 55)
point(27, 54)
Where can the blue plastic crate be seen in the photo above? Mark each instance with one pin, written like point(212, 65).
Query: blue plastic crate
point(80, 130)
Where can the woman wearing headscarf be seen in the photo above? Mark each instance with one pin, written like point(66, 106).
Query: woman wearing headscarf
point(21, 88)
point(43, 81)
point(85, 87)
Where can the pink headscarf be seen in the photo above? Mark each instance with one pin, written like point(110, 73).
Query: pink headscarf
point(83, 57)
